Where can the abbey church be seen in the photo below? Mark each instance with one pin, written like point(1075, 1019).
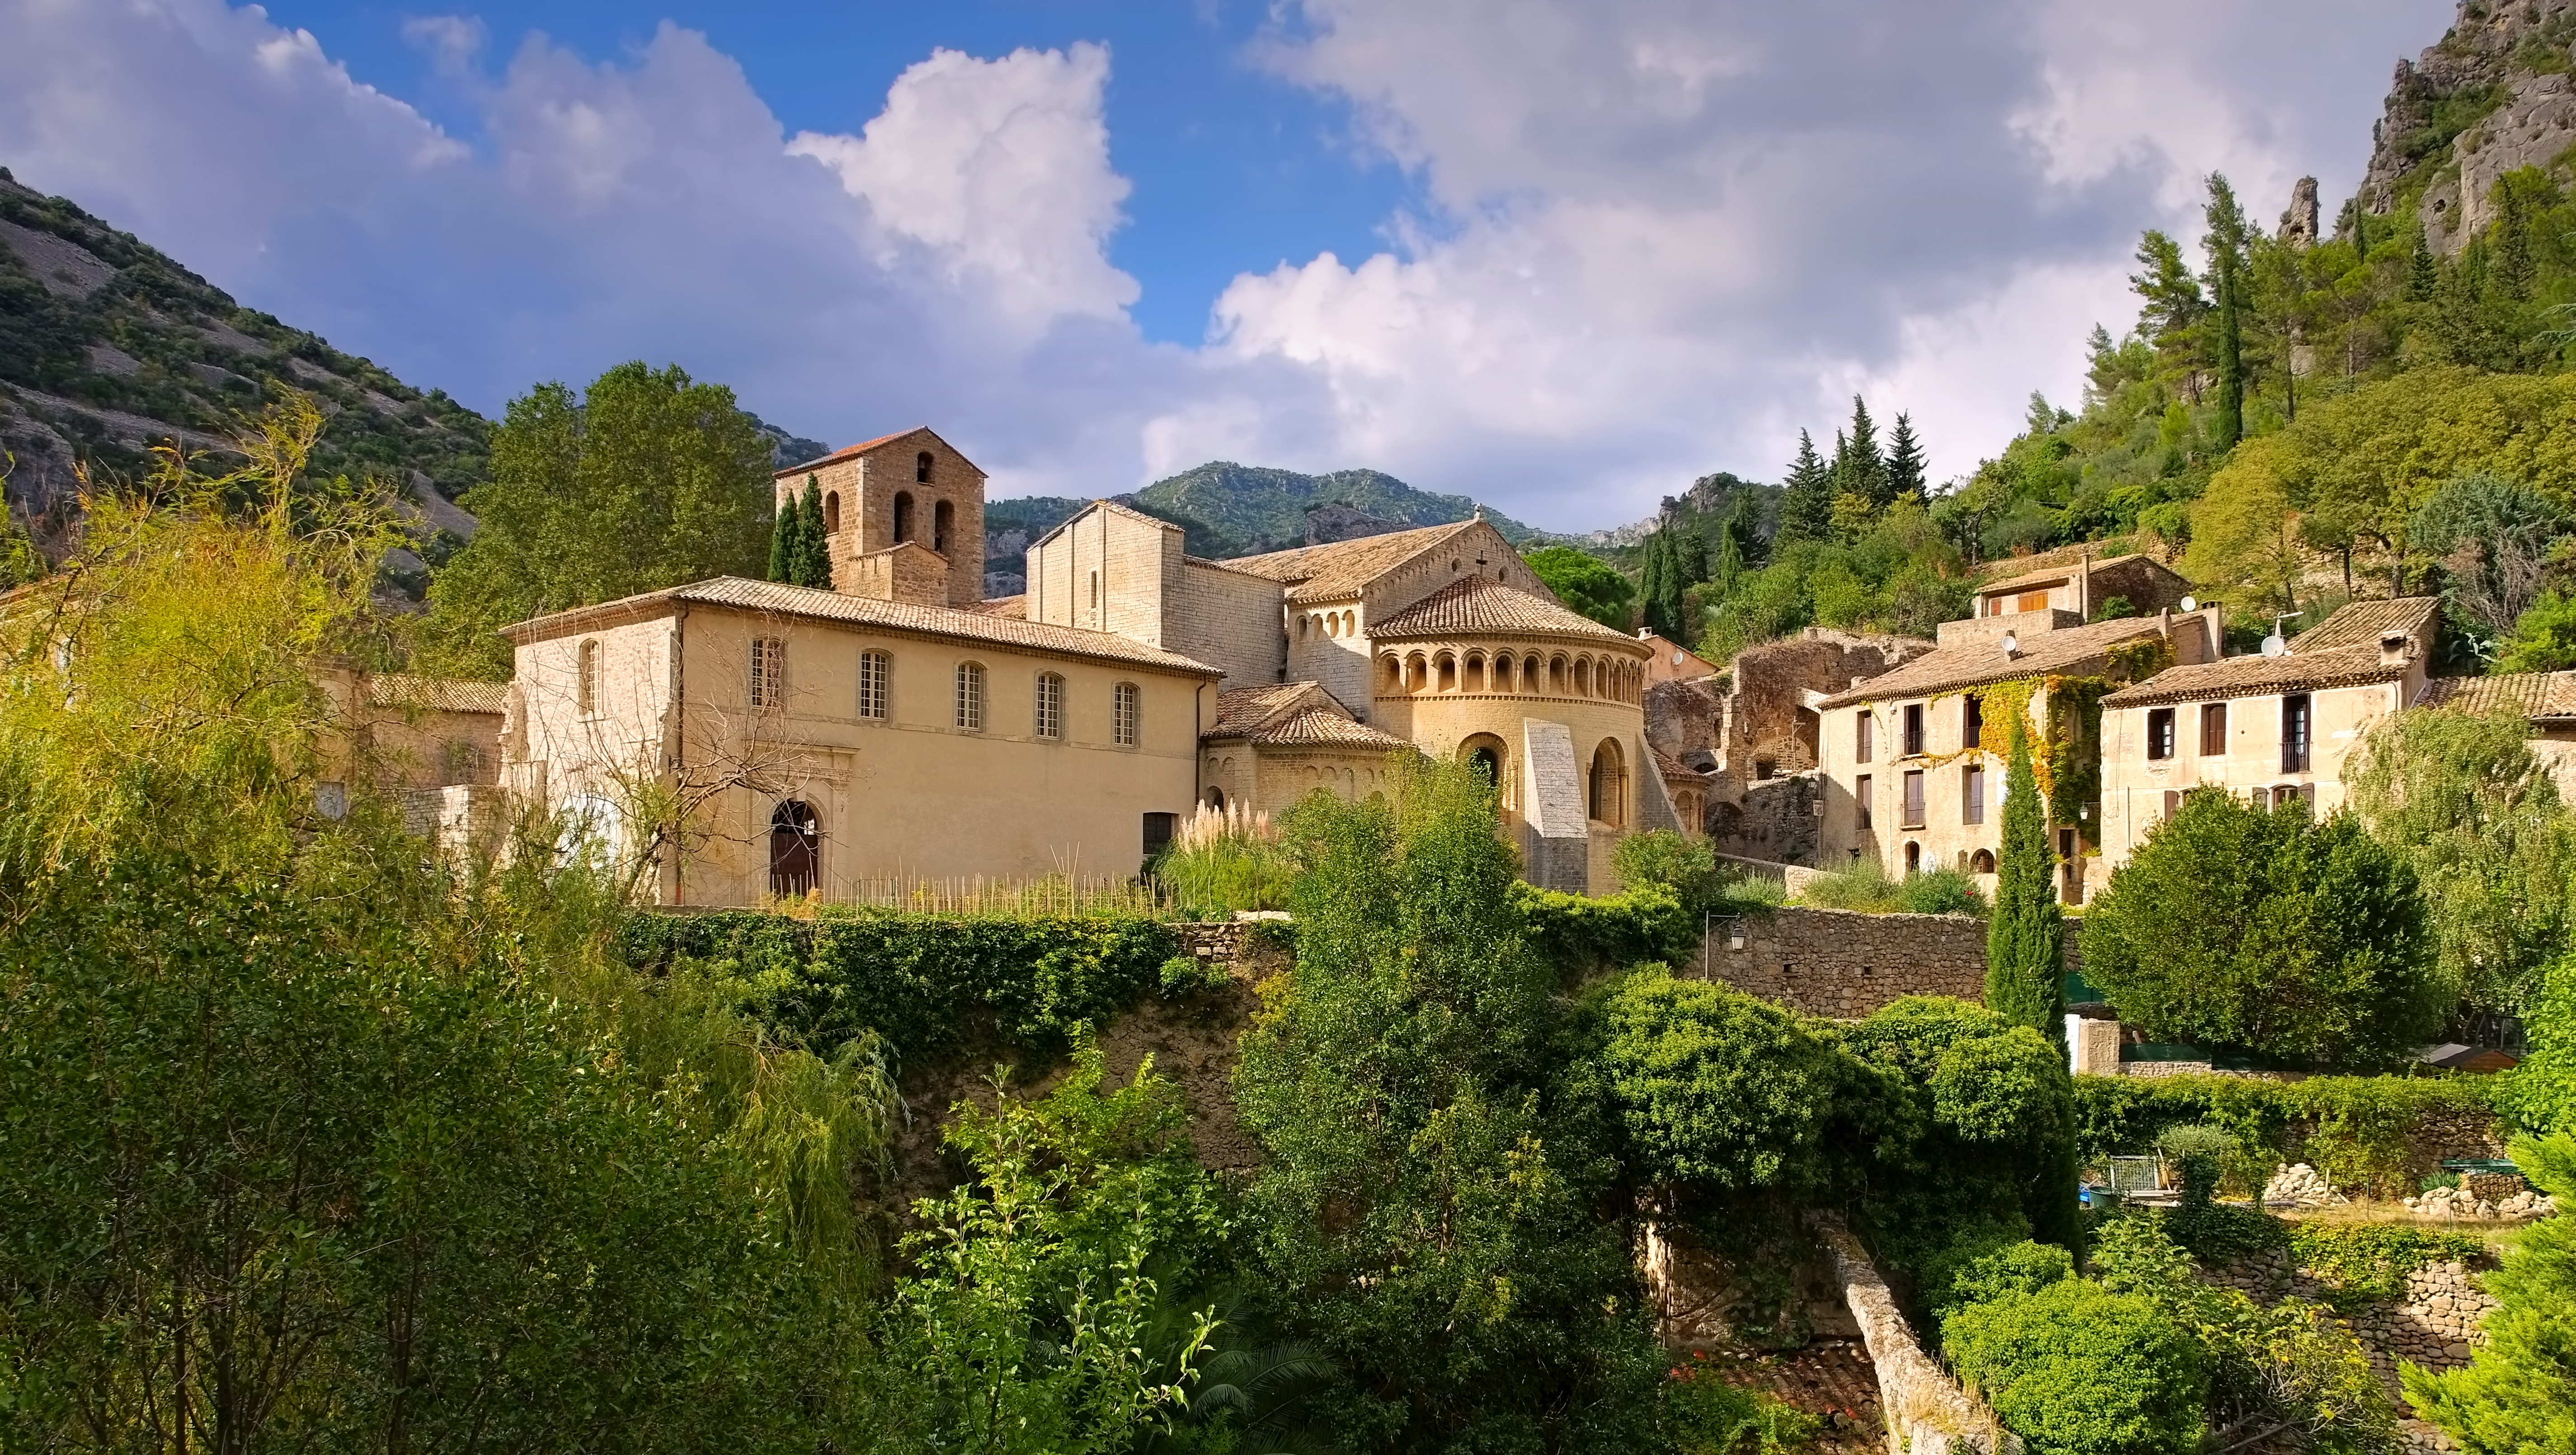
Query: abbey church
point(900, 726)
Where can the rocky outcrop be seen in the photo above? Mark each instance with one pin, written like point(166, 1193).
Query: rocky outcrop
point(2492, 96)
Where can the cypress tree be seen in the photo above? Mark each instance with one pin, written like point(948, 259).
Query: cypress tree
point(813, 547)
point(786, 537)
point(2226, 245)
point(1651, 570)
point(1690, 552)
point(1905, 464)
point(1807, 497)
point(1864, 469)
point(2423, 278)
point(2514, 270)
point(2023, 968)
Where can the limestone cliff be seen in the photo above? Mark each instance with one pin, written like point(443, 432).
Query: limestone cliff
point(2492, 96)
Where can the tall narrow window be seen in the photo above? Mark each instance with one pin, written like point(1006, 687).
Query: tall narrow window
point(1913, 729)
point(874, 669)
point(970, 696)
point(2160, 733)
point(902, 516)
point(1049, 721)
point(1914, 799)
point(1126, 710)
point(2294, 733)
point(2213, 729)
point(943, 519)
point(1860, 736)
point(1860, 795)
point(1972, 721)
point(832, 513)
point(921, 468)
point(586, 678)
point(768, 672)
point(1159, 829)
point(1972, 794)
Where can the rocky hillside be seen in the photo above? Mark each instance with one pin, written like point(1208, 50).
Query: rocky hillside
point(2492, 96)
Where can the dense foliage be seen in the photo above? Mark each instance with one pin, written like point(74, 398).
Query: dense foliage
point(646, 480)
point(1866, 889)
point(2518, 1393)
point(2072, 1367)
point(2354, 1129)
point(2263, 931)
point(1716, 1087)
point(1586, 585)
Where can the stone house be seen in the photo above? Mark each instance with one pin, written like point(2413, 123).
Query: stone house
point(2272, 726)
point(2548, 699)
point(1913, 769)
point(2086, 587)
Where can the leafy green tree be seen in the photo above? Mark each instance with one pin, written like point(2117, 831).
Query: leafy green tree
point(647, 480)
point(2492, 537)
point(2072, 1367)
point(2477, 816)
point(1686, 866)
point(1587, 584)
point(2264, 931)
point(2543, 638)
point(2518, 1394)
point(1716, 1087)
point(1401, 1084)
point(813, 545)
point(2024, 959)
point(1908, 473)
point(1806, 499)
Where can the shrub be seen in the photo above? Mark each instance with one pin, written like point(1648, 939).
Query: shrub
point(1687, 867)
point(1224, 860)
point(2519, 1391)
point(2353, 1129)
point(2264, 932)
point(2077, 1370)
point(1581, 935)
point(1941, 891)
point(2197, 1154)
point(1715, 1086)
point(1865, 888)
point(1705, 1415)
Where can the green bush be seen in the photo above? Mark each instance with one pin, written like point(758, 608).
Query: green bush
point(2372, 1260)
point(1941, 891)
point(2197, 1154)
point(2519, 1392)
point(1688, 867)
point(1715, 1086)
point(2075, 1369)
point(2353, 1129)
point(1221, 861)
point(1705, 1415)
point(933, 986)
point(1581, 935)
point(1866, 888)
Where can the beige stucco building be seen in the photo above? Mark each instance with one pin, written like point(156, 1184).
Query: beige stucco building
point(745, 738)
point(2270, 726)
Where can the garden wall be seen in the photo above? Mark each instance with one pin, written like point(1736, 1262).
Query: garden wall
point(2435, 1323)
point(1843, 964)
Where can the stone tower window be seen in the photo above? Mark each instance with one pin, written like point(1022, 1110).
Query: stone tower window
point(1049, 723)
point(768, 672)
point(874, 670)
point(921, 468)
point(970, 696)
point(902, 516)
point(1126, 710)
point(585, 687)
point(832, 513)
point(943, 519)
point(1609, 784)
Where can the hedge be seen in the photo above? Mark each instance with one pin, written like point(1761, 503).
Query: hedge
point(2353, 1129)
point(1582, 935)
point(934, 986)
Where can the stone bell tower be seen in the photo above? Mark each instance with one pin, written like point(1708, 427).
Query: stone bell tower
point(904, 515)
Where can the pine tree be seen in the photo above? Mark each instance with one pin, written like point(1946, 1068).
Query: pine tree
point(786, 542)
point(1865, 470)
point(1690, 551)
point(2226, 245)
point(1905, 464)
point(2023, 966)
point(2514, 271)
point(2423, 276)
point(1806, 498)
point(813, 547)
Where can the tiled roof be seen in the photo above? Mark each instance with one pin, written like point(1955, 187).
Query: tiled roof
point(1672, 767)
point(2340, 651)
point(1015, 607)
point(1241, 709)
point(2533, 694)
point(436, 694)
point(817, 605)
point(1323, 727)
point(1344, 568)
point(2363, 623)
point(848, 452)
point(1474, 605)
point(2065, 650)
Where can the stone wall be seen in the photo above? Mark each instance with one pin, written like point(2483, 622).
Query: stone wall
point(1925, 1412)
point(1844, 965)
point(2436, 1324)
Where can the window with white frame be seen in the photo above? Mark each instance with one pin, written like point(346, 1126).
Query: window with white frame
point(1126, 712)
point(874, 669)
point(768, 672)
point(1049, 719)
point(970, 696)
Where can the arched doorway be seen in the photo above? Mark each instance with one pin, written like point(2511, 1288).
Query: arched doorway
point(1609, 784)
point(1485, 754)
point(795, 848)
point(1913, 859)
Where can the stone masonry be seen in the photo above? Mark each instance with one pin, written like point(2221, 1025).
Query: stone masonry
point(1844, 965)
point(2436, 1324)
point(1926, 1413)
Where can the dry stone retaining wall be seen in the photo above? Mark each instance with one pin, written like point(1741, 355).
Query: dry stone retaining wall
point(1844, 965)
point(2436, 1324)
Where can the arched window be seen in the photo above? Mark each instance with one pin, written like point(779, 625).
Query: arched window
point(832, 513)
point(970, 696)
point(1982, 862)
point(586, 677)
point(876, 669)
point(1394, 673)
point(768, 672)
point(1557, 668)
point(921, 468)
point(1485, 753)
point(902, 516)
point(1474, 679)
point(943, 519)
point(1448, 672)
point(795, 849)
point(1417, 674)
point(1216, 799)
point(1913, 858)
point(1048, 720)
point(1126, 714)
point(1583, 676)
point(1609, 784)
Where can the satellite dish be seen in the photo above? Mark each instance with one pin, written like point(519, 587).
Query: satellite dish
point(2012, 643)
point(2190, 603)
point(2273, 646)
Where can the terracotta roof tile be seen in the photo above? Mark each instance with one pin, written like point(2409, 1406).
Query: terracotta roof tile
point(436, 694)
point(1241, 709)
point(853, 451)
point(1015, 607)
point(2259, 676)
point(1344, 568)
point(1323, 727)
point(817, 605)
point(2363, 623)
point(2063, 571)
point(1473, 605)
point(2064, 651)
point(2533, 694)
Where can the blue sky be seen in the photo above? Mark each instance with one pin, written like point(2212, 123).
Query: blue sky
point(1560, 255)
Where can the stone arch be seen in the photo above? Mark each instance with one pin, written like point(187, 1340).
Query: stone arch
point(1473, 675)
point(902, 516)
point(1913, 858)
point(1609, 784)
point(795, 849)
point(1417, 673)
point(943, 523)
point(1583, 676)
point(1448, 669)
point(1489, 755)
point(921, 466)
point(832, 512)
point(1553, 684)
point(1391, 673)
point(1982, 862)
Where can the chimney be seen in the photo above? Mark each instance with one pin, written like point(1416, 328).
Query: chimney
point(2395, 648)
